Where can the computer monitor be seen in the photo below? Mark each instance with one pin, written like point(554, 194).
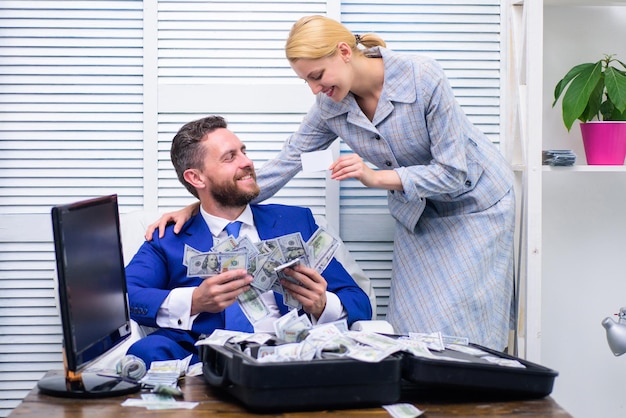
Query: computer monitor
point(93, 299)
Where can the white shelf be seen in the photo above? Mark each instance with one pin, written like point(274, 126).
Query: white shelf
point(584, 2)
point(588, 168)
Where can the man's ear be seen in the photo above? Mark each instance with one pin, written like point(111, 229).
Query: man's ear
point(193, 177)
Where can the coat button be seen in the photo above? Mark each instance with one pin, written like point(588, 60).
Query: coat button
point(180, 322)
point(388, 163)
point(377, 137)
point(468, 183)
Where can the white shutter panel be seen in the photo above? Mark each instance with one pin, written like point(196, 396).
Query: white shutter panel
point(71, 100)
point(228, 58)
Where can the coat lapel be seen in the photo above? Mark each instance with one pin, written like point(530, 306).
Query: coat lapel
point(200, 237)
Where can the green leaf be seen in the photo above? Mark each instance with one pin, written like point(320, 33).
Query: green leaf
point(616, 87)
point(560, 86)
point(611, 113)
point(594, 107)
point(623, 65)
point(577, 95)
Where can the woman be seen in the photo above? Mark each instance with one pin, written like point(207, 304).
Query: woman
point(449, 188)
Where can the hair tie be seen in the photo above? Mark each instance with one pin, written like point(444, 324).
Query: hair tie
point(358, 39)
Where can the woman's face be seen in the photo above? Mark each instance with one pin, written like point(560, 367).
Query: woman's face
point(331, 76)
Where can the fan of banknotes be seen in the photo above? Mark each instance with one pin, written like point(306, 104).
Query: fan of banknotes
point(265, 261)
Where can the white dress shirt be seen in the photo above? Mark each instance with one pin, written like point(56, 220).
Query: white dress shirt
point(175, 311)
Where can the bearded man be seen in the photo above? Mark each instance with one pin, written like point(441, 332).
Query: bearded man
point(212, 164)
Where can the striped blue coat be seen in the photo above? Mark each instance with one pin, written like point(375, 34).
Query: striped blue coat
point(453, 245)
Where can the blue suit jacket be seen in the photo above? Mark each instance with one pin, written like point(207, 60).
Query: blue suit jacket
point(157, 267)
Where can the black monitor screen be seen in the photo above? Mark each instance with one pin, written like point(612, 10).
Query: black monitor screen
point(92, 284)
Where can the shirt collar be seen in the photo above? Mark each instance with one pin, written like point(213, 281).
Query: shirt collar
point(217, 224)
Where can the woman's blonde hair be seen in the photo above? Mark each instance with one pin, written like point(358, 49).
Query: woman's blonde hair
point(313, 37)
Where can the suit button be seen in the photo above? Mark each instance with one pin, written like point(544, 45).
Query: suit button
point(388, 163)
point(377, 137)
point(180, 322)
point(468, 183)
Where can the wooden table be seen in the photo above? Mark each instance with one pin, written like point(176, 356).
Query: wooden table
point(215, 404)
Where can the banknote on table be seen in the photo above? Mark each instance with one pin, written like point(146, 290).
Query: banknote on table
point(323, 247)
point(212, 263)
point(253, 305)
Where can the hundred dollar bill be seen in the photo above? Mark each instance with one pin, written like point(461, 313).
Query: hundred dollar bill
point(212, 263)
point(189, 252)
point(220, 337)
point(289, 299)
point(292, 246)
point(252, 305)
point(228, 244)
point(270, 245)
point(234, 260)
point(323, 247)
point(265, 276)
point(245, 244)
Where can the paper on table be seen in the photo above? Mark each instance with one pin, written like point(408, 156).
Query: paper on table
point(316, 160)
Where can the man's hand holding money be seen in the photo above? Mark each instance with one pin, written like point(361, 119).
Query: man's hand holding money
point(218, 292)
point(307, 286)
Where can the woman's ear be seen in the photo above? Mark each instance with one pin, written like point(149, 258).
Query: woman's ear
point(194, 177)
point(344, 51)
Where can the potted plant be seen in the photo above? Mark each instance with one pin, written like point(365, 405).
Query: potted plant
point(595, 94)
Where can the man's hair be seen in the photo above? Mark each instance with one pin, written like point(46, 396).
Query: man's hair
point(187, 151)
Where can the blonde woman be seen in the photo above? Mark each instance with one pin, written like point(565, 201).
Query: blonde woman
point(449, 188)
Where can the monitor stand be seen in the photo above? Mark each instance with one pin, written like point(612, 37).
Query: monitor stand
point(86, 385)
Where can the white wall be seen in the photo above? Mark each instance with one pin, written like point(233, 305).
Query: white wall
point(583, 230)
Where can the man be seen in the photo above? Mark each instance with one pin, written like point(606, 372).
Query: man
point(212, 163)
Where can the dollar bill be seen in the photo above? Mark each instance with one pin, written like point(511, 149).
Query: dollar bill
point(252, 305)
point(323, 247)
point(189, 252)
point(228, 244)
point(213, 263)
point(245, 244)
point(265, 276)
point(270, 245)
point(292, 246)
point(234, 260)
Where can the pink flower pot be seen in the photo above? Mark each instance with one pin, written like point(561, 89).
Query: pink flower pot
point(605, 142)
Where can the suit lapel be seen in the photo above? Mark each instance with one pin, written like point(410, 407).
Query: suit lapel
point(200, 237)
point(266, 226)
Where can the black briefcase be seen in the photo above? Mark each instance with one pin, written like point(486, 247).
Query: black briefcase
point(473, 376)
point(301, 385)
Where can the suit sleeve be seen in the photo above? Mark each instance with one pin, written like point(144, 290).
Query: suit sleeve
point(355, 301)
point(147, 278)
point(353, 298)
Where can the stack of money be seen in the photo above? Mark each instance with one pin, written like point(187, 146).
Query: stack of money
point(558, 157)
point(265, 261)
point(334, 340)
point(165, 373)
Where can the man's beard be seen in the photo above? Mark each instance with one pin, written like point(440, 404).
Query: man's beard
point(229, 195)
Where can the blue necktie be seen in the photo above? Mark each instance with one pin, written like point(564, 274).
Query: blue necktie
point(234, 318)
point(233, 228)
